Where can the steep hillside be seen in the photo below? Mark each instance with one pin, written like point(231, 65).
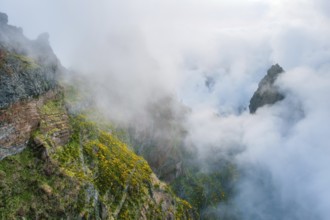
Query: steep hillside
point(94, 175)
point(55, 164)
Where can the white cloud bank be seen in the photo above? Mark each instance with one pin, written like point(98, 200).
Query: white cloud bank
point(137, 51)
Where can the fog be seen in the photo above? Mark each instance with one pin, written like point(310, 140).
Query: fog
point(210, 55)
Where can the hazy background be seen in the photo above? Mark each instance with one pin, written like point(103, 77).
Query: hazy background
point(210, 55)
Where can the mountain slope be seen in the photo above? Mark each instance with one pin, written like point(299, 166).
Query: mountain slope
point(54, 164)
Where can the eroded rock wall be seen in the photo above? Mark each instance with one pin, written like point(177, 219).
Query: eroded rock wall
point(20, 120)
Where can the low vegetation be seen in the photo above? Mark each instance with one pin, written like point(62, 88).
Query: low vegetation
point(95, 175)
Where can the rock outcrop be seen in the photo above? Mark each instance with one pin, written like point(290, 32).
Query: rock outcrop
point(267, 92)
point(23, 78)
point(13, 40)
point(3, 19)
point(28, 78)
point(18, 122)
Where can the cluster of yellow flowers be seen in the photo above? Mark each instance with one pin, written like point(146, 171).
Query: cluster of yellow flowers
point(117, 165)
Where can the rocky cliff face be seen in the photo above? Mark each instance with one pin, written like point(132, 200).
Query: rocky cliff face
point(267, 93)
point(57, 165)
point(21, 119)
point(28, 68)
point(28, 71)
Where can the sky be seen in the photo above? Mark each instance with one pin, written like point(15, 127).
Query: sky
point(136, 52)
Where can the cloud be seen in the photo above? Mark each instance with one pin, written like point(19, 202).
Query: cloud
point(136, 52)
point(291, 153)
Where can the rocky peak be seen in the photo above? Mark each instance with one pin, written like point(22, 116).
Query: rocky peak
point(3, 18)
point(267, 93)
point(13, 40)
